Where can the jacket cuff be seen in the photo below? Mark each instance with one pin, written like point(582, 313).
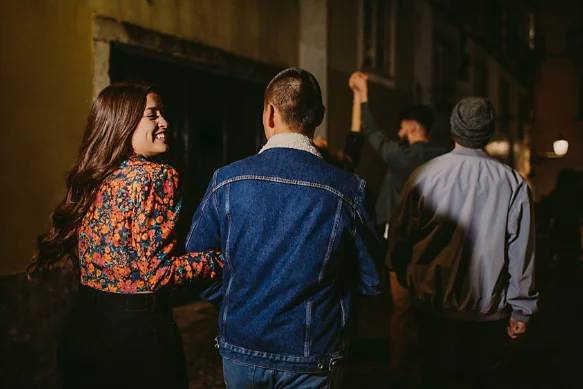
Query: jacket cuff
point(520, 317)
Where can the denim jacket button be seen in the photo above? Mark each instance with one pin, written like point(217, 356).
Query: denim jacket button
point(320, 366)
point(333, 364)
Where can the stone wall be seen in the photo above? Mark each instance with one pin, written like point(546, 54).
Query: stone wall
point(31, 316)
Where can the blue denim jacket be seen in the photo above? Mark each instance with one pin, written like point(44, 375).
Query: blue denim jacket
point(298, 240)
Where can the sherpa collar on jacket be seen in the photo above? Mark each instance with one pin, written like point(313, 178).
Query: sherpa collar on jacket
point(291, 140)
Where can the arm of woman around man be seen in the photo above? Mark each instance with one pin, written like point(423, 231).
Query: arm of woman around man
point(158, 205)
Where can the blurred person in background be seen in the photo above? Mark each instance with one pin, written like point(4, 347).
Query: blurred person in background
point(462, 243)
point(565, 207)
point(411, 149)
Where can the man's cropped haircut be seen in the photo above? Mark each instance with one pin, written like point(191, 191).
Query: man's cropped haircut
point(296, 94)
point(422, 114)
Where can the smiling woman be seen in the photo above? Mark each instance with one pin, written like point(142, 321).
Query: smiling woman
point(118, 221)
point(149, 138)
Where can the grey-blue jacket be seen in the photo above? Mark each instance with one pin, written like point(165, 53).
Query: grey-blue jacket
point(462, 239)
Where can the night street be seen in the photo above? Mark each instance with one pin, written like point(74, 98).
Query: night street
point(382, 194)
point(548, 356)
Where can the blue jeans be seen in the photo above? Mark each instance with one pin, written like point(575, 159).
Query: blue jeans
point(239, 376)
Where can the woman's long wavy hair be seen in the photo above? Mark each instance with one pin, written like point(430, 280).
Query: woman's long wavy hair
point(106, 143)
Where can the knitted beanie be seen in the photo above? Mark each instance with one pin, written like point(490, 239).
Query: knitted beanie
point(472, 122)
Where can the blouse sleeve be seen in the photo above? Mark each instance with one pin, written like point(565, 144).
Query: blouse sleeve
point(156, 213)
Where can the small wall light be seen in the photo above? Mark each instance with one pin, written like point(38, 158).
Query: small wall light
point(561, 147)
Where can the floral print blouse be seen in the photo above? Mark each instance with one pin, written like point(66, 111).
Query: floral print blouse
point(127, 238)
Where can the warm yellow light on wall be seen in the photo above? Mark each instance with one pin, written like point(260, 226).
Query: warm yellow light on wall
point(498, 148)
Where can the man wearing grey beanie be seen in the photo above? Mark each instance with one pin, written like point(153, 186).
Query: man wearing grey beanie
point(462, 242)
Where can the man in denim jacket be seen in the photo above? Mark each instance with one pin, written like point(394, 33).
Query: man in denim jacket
point(298, 237)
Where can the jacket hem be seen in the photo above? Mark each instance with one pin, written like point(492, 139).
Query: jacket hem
point(291, 363)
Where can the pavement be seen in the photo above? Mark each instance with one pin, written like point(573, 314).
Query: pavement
point(549, 355)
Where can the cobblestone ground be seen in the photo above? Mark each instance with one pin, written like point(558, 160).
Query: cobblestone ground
point(550, 355)
point(367, 369)
point(198, 325)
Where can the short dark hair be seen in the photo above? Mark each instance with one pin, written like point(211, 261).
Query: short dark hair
point(296, 94)
point(422, 114)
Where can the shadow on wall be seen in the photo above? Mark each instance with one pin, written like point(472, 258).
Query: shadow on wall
point(441, 132)
point(31, 316)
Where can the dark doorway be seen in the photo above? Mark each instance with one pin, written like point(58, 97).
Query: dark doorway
point(215, 119)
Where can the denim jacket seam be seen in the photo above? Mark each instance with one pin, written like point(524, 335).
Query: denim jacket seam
point(357, 201)
point(229, 221)
point(288, 181)
point(343, 313)
point(281, 357)
point(283, 368)
point(346, 195)
point(228, 260)
point(195, 223)
point(352, 227)
point(308, 340)
point(213, 194)
point(332, 238)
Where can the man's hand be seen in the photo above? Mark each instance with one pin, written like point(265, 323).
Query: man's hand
point(358, 83)
point(516, 328)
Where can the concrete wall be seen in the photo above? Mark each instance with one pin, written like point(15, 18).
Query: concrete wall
point(555, 114)
point(556, 93)
point(313, 47)
point(496, 74)
point(48, 65)
point(46, 49)
point(46, 75)
point(343, 58)
point(423, 54)
point(257, 29)
point(449, 34)
point(405, 40)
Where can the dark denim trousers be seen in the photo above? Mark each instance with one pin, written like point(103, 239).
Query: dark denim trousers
point(121, 341)
point(239, 376)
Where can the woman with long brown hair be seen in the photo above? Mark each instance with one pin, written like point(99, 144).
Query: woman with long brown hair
point(117, 222)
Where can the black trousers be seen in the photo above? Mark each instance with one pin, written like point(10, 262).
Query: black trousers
point(462, 354)
point(121, 341)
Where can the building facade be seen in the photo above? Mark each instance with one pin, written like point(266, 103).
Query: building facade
point(211, 60)
point(558, 90)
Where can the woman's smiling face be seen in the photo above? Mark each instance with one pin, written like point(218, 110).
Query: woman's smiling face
point(149, 138)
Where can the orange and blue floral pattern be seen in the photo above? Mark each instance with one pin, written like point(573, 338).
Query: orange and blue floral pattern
point(127, 237)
